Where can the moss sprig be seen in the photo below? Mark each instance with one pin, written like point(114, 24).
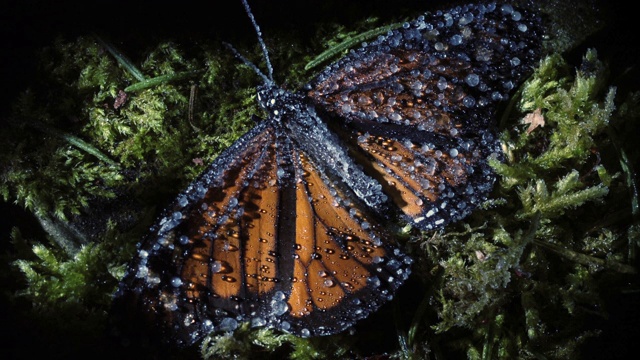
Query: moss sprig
point(246, 342)
point(66, 293)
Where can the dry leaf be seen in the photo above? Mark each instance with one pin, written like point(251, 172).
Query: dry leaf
point(534, 120)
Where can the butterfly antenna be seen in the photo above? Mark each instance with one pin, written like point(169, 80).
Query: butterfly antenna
point(262, 44)
point(246, 61)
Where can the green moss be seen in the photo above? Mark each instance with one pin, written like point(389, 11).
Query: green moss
point(65, 293)
point(245, 343)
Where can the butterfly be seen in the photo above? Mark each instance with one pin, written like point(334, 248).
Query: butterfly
point(286, 228)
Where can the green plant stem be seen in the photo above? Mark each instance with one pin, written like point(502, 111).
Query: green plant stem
point(586, 259)
point(630, 174)
point(148, 83)
point(122, 60)
point(61, 232)
point(417, 320)
point(329, 53)
point(73, 140)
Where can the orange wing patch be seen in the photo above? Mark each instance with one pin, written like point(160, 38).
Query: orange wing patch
point(215, 261)
point(332, 247)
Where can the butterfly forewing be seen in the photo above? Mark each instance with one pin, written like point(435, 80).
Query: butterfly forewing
point(418, 104)
point(221, 222)
point(192, 262)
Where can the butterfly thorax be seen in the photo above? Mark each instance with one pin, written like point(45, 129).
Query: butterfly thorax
point(280, 103)
point(294, 115)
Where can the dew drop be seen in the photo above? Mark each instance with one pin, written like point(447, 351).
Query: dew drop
point(201, 191)
point(508, 85)
point(228, 324)
point(182, 201)
point(442, 83)
point(472, 79)
point(466, 19)
point(285, 326)
point(143, 271)
point(374, 281)
point(176, 282)
point(469, 101)
point(188, 320)
point(258, 322)
point(395, 116)
point(516, 16)
point(216, 266)
point(164, 241)
point(364, 100)
point(506, 9)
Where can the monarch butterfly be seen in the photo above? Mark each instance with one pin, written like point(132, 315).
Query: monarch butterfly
point(285, 228)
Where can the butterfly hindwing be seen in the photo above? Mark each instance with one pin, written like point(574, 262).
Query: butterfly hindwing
point(345, 265)
point(417, 105)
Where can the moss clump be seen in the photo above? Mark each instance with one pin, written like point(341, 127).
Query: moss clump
point(246, 343)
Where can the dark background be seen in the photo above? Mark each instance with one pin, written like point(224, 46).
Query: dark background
point(136, 26)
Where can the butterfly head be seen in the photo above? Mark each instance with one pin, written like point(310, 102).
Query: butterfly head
point(277, 101)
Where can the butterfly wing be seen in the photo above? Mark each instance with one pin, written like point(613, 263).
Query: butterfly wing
point(262, 236)
point(417, 105)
